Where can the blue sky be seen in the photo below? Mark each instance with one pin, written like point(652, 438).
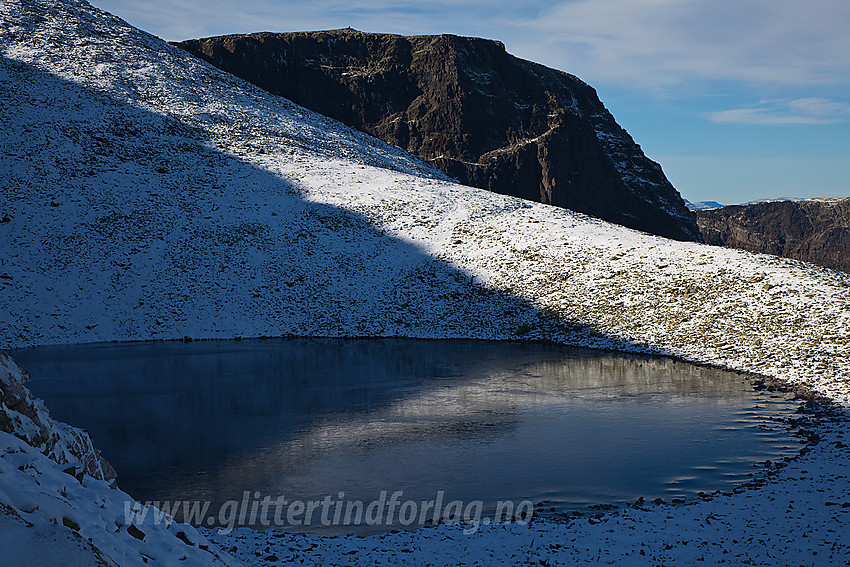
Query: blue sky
point(737, 99)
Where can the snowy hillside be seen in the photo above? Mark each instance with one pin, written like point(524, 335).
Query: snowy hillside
point(57, 504)
point(148, 195)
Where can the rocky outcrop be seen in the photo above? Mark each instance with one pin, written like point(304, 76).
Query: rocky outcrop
point(816, 231)
point(484, 116)
point(59, 504)
point(26, 417)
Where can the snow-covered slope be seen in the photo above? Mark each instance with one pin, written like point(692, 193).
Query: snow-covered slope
point(27, 418)
point(149, 195)
point(57, 505)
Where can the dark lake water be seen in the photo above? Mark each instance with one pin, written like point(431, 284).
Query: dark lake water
point(443, 421)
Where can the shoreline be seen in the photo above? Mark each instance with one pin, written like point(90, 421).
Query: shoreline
point(649, 534)
point(811, 407)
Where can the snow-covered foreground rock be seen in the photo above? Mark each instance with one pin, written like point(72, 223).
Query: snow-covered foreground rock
point(57, 505)
point(26, 417)
point(148, 195)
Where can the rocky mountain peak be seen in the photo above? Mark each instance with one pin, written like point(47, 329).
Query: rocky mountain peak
point(488, 118)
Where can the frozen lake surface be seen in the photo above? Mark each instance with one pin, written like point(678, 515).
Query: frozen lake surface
point(476, 421)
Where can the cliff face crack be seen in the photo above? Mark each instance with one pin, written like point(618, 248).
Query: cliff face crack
point(487, 118)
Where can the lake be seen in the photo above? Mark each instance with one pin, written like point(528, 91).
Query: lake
point(344, 421)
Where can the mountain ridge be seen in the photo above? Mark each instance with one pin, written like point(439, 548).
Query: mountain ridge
point(811, 230)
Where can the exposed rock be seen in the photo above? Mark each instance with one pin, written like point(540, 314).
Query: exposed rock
point(26, 417)
point(816, 231)
point(484, 116)
point(136, 532)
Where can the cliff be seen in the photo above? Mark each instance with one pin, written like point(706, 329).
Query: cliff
point(487, 118)
point(816, 230)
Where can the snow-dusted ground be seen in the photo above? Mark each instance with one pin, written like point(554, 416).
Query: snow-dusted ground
point(49, 517)
point(148, 195)
point(58, 505)
point(151, 196)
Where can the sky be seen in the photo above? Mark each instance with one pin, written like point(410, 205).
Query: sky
point(738, 100)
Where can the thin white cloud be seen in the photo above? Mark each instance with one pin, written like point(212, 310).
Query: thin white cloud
point(809, 110)
point(665, 42)
point(813, 106)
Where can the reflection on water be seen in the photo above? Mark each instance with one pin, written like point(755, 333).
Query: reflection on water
point(479, 420)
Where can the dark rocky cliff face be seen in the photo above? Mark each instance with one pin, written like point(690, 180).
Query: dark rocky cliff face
point(816, 231)
point(487, 118)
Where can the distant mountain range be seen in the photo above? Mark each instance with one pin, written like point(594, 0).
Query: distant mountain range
point(703, 205)
point(487, 118)
point(706, 205)
point(813, 230)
